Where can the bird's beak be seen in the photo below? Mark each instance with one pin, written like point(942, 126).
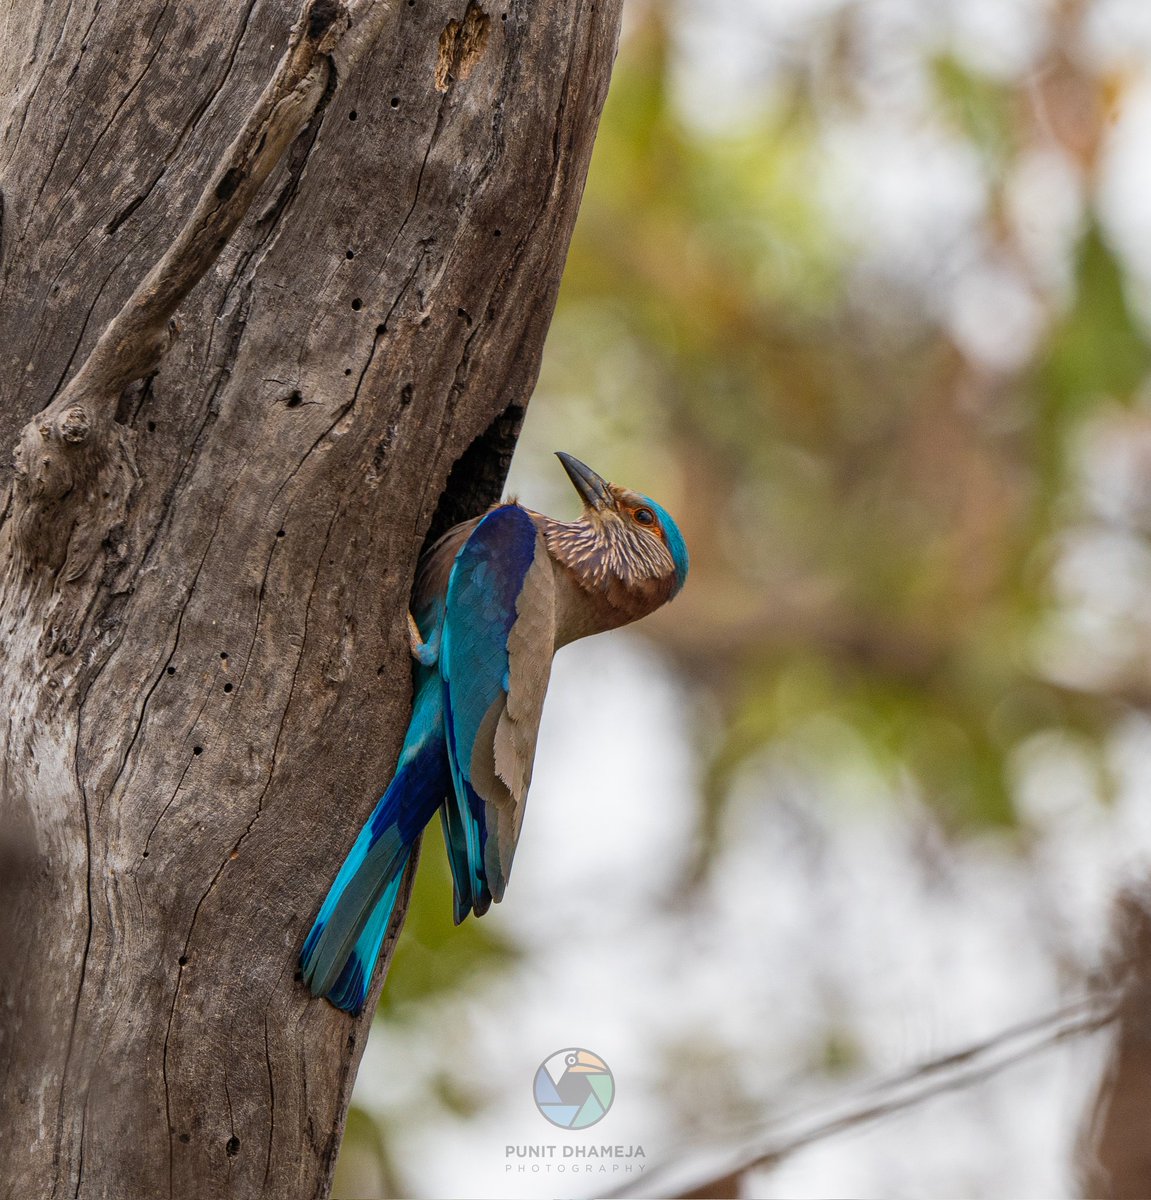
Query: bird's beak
point(592, 487)
point(588, 1064)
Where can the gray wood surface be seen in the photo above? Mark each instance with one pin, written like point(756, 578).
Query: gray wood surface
point(242, 403)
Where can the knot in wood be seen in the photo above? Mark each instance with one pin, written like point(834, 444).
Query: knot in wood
point(74, 427)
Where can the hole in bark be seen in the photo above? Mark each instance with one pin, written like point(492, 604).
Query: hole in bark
point(406, 394)
point(171, 670)
point(233, 1146)
point(224, 655)
point(183, 960)
point(145, 854)
point(294, 400)
point(280, 532)
point(395, 102)
point(477, 478)
point(497, 233)
point(353, 115)
point(357, 304)
point(185, 1138)
point(151, 426)
point(197, 750)
point(227, 687)
point(321, 16)
point(227, 186)
point(381, 329)
point(464, 315)
point(349, 254)
point(347, 370)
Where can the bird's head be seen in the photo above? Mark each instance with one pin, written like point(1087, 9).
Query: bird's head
point(584, 1062)
point(624, 544)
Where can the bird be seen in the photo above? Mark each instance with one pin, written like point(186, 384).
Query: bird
point(494, 598)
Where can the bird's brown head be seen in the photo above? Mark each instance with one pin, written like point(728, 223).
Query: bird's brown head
point(625, 546)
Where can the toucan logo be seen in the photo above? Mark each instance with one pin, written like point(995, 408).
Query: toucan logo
point(574, 1088)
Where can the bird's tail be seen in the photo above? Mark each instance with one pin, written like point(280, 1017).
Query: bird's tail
point(339, 954)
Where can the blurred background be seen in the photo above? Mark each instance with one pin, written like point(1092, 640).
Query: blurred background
point(860, 291)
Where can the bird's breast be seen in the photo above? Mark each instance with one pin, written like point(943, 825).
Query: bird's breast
point(583, 609)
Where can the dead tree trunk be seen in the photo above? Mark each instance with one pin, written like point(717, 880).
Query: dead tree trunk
point(273, 289)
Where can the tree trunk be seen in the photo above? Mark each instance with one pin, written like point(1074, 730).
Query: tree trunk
point(208, 544)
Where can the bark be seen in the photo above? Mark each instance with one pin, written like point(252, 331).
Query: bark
point(274, 285)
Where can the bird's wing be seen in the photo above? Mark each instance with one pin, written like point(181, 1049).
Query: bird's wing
point(495, 658)
point(435, 570)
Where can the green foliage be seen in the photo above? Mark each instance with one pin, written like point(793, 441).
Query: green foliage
point(1098, 351)
point(981, 109)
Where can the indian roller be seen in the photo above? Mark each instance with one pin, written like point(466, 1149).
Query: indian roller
point(494, 599)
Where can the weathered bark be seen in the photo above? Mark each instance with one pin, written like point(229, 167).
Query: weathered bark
point(207, 547)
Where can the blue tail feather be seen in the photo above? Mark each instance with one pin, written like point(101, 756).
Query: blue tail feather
point(465, 831)
point(351, 988)
point(339, 954)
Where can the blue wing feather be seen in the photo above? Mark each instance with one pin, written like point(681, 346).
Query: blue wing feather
point(474, 622)
point(486, 579)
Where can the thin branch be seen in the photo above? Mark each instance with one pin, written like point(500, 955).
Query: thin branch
point(697, 1174)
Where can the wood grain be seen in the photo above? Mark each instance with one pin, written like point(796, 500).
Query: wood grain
point(205, 676)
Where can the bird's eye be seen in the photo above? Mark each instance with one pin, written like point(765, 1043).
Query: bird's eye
point(645, 516)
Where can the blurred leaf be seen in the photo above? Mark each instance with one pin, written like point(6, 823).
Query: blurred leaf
point(1098, 350)
point(981, 108)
